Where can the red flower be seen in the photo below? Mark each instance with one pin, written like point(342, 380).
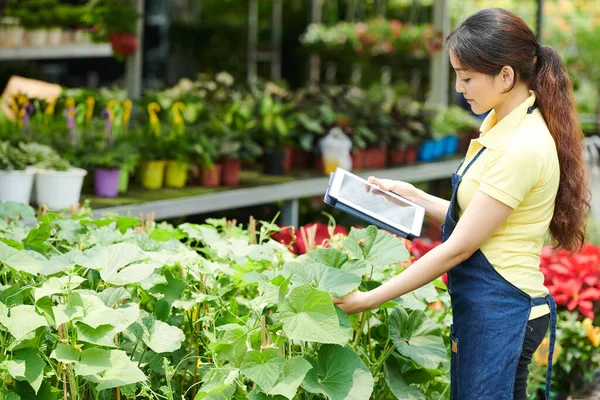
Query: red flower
point(309, 236)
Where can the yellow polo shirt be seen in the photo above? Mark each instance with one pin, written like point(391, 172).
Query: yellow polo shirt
point(520, 169)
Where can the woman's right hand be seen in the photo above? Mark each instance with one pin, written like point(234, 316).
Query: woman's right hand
point(403, 189)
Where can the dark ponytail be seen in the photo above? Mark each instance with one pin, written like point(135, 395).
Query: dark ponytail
point(493, 38)
point(554, 90)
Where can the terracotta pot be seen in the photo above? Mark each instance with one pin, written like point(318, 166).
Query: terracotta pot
point(398, 155)
point(287, 161)
point(123, 43)
point(300, 159)
point(411, 153)
point(318, 164)
point(230, 175)
point(376, 157)
point(211, 176)
point(358, 159)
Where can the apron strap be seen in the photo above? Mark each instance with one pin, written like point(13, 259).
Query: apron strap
point(552, 305)
point(470, 162)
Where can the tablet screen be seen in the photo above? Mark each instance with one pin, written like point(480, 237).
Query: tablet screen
point(378, 202)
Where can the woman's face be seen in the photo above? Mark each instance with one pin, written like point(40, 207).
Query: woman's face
point(483, 92)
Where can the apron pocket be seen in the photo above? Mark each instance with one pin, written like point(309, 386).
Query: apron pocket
point(454, 352)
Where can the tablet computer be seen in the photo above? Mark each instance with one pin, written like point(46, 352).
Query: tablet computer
point(385, 209)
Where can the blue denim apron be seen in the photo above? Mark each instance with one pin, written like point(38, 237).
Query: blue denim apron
point(490, 318)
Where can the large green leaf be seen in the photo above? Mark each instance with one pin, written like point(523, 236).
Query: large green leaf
point(65, 353)
point(417, 337)
point(119, 264)
point(13, 210)
point(21, 260)
point(231, 346)
point(93, 361)
point(70, 230)
point(335, 281)
point(34, 367)
point(113, 295)
point(339, 374)
point(257, 394)
point(23, 319)
point(418, 299)
point(64, 313)
point(294, 372)
point(60, 263)
point(217, 385)
point(331, 257)
point(263, 367)
point(104, 235)
point(309, 314)
point(109, 368)
point(61, 285)
point(397, 385)
point(102, 336)
point(122, 372)
point(163, 338)
point(375, 246)
point(36, 238)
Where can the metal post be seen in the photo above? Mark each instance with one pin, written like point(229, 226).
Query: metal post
point(540, 19)
point(315, 60)
point(134, 65)
point(290, 213)
point(252, 41)
point(439, 73)
point(276, 40)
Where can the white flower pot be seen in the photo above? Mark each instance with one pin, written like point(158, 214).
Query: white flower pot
point(16, 185)
point(59, 189)
point(82, 36)
point(55, 37)
point(14, 35)
point(38, 37)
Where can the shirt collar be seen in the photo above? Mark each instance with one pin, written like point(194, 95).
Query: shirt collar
point(494, 133)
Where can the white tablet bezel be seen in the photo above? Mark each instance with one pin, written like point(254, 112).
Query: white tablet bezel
point(334, 191)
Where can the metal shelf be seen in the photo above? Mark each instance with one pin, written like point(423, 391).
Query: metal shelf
point(288, 192)
point(56, 52)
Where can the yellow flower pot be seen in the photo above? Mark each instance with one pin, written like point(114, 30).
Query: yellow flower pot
point(176, 174)
point(152, 173)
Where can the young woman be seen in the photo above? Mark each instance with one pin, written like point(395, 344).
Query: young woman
point(523, 176)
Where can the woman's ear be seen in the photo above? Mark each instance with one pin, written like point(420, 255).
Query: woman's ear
point(507, 76)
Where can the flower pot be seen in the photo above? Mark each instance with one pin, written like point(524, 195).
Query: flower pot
point(411, 153)
point(230, 175)
point(55, 37)
point(152, 173)
point(439, 149)
point(376, 157)
point(16, 185)
point(427, 150)
point(82, 36)
point(211, 176)
point(176, 175)
point(106, 182)
point(275, 162)
point(123, 43)
point(300, 159)
point(397, 155)
point(358, 159)
point(59, 189)
point(123, 180)
point(450, 145)
point(38, 37)
point(287, 161)
point(15, 36)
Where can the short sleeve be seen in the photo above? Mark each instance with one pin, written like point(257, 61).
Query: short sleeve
point(511, 173)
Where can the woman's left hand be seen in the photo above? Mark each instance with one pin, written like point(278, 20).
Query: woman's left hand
point(354, 302)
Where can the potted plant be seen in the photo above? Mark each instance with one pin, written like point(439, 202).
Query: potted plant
point(54, 172)
point(13, 25)
point(153, 149)
point(205, 152)
point(274, 134)
point(16, 174)
point(115, 22)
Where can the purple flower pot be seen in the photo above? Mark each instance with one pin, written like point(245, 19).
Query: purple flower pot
point(106, 182)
